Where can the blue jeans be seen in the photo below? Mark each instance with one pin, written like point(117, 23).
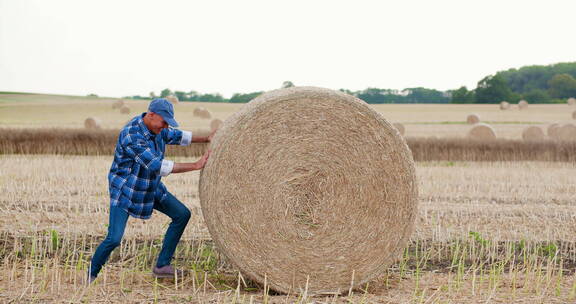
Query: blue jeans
point(170, 206)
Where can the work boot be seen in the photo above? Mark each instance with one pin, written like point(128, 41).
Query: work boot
point(167, 272)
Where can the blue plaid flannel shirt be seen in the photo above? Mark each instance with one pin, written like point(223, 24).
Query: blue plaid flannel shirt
point(134, 178)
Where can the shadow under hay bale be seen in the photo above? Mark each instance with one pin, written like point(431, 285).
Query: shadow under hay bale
point(304, 209)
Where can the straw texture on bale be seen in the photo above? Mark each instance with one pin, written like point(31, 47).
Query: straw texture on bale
point(482, 131)
point(400, 128)
point(504, 105)
point(202, 113)
point(125, 110)
point(571, 101)
point(472, 119)
point(215, 124)
point(522, 104)
point(92, 123)
point(309, 188)
point(533, 133)
point(567, 132)
point(552, 130)
point(118, 104)
point(173, 99)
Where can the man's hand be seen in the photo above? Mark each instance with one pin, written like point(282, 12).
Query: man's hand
point(212, 135)
point(185, 167)
point(203, 160)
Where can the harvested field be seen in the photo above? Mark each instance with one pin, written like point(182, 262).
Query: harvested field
point(486, 231)
point(496, 220)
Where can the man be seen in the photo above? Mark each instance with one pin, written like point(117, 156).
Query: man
point(135, 187)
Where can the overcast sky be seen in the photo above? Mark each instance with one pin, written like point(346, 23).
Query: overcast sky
point(119, 48)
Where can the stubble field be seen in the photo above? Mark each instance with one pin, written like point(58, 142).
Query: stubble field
point(486, 231)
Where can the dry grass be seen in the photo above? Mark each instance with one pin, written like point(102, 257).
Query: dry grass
point(485, 232)
point(102, 142)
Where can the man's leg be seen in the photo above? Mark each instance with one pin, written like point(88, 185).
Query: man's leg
point(116, 226)
point(180, 215)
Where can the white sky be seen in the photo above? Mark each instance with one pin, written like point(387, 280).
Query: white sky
point(119, 48)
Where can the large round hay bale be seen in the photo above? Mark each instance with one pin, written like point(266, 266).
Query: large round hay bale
point(473, 119)
point(504, 105)
point(533, 133)
point(552, 130)
point(215, 124)
point(118, 104)
point(482, 131)
point(309, 189)
point(571, 101)
point(173, 99)
point(522, 104)
point(125, 110)
point(92, 123)
point(399, 127)
point(567, 132)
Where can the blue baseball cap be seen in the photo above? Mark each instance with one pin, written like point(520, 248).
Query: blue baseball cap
point(164, 108)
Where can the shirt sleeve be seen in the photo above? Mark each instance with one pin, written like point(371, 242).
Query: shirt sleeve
point(176, 137)
point(166, 168)
point(138, 149)
point(186, 138)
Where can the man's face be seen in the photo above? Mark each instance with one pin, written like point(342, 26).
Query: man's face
point(157, 123)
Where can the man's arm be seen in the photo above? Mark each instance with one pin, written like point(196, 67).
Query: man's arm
point(203, 139)
point(186, 167)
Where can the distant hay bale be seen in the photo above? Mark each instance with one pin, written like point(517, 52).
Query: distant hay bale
point(309, 189)
point(399, 127)
point(574, 115)
point(173, 99)
point(552, 130)
point(482, 131)
point(567, 132)
point(533, 133)
point(118, 104)
point(125, 110)
point(202, 113)
point(215, 124)
point(92, 123)
point(472, 119)
point(571, 101)
point(504, 105)
point(522, 104)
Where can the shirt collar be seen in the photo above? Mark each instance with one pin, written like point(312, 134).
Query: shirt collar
point(144, 128)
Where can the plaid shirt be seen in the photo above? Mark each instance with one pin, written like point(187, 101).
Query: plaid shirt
point(134, 178)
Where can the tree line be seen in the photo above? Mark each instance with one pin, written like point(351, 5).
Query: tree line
point(535, 84)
